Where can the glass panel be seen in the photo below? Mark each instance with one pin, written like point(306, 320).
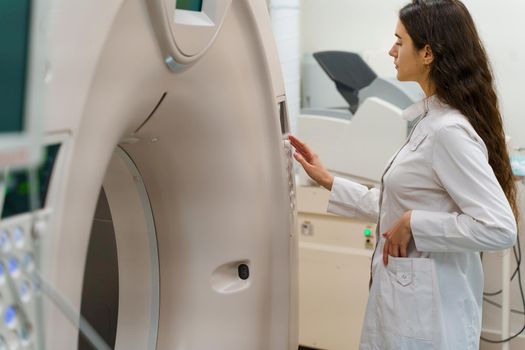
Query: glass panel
point(14, 34)
point(189, 5)
point(17, 199)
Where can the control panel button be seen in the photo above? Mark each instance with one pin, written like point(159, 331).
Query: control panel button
point(25, 336)
point(18, 236)
point(5, 244)
point(24, 290)
point(13, 266)
point(28, 262)
point(39, 228)
point(10, 316)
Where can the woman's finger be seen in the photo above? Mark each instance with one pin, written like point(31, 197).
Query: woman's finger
point(306, 156)
point(295, 142)
point(403, 251)
point(394, 250)
point(301, 151)
point(300, 146)
point(298, 157)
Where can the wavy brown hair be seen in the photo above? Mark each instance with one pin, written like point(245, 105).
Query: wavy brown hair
point(462, 75)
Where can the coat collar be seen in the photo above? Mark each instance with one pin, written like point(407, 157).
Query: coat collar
point(420, 108)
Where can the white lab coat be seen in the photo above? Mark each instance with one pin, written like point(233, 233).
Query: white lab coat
point(433, 298)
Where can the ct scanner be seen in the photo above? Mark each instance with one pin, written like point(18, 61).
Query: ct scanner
point(167, 203)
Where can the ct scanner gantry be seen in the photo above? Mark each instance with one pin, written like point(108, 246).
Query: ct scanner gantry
point(167, 207)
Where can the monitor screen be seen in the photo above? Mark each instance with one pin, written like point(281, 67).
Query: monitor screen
point(17, 185)
point(15, 20)
point(189, 5)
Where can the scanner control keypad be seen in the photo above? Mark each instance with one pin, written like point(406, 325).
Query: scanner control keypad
point(19, 287)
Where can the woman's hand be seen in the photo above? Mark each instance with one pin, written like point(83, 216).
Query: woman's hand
point(311, 163)
point(398, 238)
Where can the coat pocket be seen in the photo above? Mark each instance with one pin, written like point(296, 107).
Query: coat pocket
point(406, 298)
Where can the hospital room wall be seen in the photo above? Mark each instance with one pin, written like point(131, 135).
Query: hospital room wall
point(367, 27)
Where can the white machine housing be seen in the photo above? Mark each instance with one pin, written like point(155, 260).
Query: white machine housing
point(164, 148)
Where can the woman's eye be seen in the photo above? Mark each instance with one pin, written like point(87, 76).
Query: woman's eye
point(398, 43)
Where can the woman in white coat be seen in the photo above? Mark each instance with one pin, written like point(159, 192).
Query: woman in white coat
point(446, 195)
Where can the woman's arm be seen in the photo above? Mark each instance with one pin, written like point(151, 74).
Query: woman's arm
point(485, 220)
point(347, 198)
point(354, 200)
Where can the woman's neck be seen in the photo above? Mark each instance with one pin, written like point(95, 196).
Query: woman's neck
point(428, 87)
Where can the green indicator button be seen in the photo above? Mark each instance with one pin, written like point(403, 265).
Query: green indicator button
point(367, 232)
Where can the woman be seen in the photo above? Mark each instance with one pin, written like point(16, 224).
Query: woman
point(446, 195)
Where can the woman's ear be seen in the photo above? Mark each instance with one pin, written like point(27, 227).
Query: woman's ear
point(428, 55)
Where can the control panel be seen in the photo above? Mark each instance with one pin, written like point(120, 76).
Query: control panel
point(288, 151)
point(19, 287)
point(24, 219)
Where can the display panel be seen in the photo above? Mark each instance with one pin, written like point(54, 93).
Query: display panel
point(189, 5)
point(17, 200)
point(14, 38)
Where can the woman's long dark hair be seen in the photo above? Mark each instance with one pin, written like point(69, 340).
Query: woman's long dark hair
point(462, 75)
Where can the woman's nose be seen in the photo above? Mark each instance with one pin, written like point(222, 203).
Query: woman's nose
point(392, 52)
